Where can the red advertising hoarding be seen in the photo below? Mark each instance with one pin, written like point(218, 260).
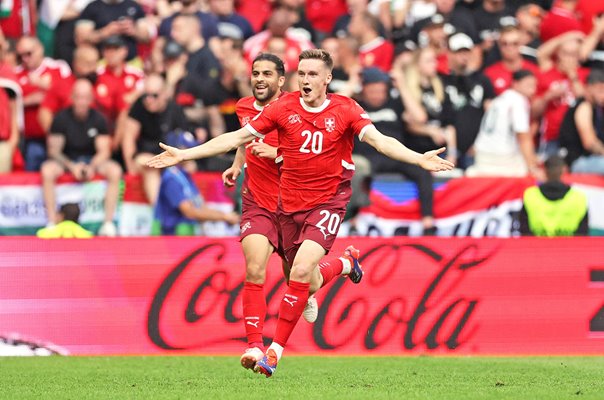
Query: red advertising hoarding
point(419, 295)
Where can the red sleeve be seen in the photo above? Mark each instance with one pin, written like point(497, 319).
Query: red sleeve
point(51, 99)
point(359, 119)
point(264, 122)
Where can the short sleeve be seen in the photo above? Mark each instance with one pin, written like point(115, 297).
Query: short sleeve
point(266, 121)
point(101, 123)
point(520, 116)
point(59, 125)
point(136, 111)
point(176, 191)
point(359, 120)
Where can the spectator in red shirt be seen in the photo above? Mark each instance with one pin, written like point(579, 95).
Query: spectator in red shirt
point(500, 73)
point(85, 62)
point(35, 75)
point(559, 85)
point(21, 20)
point(374, 50)
point(10, 108)
point(323, 14)
point(560, 19)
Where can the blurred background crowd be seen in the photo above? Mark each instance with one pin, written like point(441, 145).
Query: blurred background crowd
point(91, 86)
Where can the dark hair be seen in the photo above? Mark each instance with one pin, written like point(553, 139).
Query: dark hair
point(70, 211)
point(279, 66)
point(317, 54)
point(521, 74)
point(595, 76)
point(554, 167)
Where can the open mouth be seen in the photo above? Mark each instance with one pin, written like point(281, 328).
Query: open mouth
point(306, 90)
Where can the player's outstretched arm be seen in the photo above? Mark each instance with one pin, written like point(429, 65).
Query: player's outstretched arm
point(394, 149)
point(219, 145)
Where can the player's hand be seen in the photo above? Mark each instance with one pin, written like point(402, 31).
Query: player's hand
point(261, 149)
point(229, 176)
point(171, 156)
point(432, 162)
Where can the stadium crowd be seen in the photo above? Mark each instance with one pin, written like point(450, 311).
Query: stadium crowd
point(92, 86)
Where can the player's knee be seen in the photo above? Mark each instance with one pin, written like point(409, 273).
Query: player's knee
point(255, 273)
point(301, 272)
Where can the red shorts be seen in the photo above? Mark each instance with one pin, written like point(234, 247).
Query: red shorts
point(255, 219)
point(319, 224)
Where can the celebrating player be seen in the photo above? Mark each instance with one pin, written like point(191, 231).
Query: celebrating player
point(260, 192)
point(316, 136)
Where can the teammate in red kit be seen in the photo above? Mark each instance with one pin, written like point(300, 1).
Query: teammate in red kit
point(260, 192)
point(316, 135)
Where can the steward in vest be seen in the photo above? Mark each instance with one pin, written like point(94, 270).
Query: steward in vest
point(554, 208)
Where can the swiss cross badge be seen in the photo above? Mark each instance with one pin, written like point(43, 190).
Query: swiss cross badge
point(330, 124)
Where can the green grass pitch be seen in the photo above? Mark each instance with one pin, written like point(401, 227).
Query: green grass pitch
point(308, 378)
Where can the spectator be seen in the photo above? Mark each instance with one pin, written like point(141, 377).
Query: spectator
point(67, 226)
point(180, 207)
point(470, 94)
point(79, 143)
point(374, 50)
point(434, 34)
point(500, 73)
point(436, 128)
point(560, 19)
point(230, 23)
point(199, 100)
point(118, 84)
point(592, 48)
point(11, 113)
point(202, 60)
point(323, 14)
point(582, 130)
point(279, 25)
point(488, 18)
point(36, 74)
point(102, 19)
point(355, 7)
point(554, 208)
point(560, 85)
point(504, 146)
point(21, 18)
point(300, 26)
point(255, 11)
point(386, 113)
point(529, 17)
point(85, 63)
point(151, 117)
point(346, 73)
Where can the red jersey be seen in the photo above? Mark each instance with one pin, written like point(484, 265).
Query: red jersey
point(112, 89)
point(501, 78)
point(262, 174)
point(377, 53)
point(316, 144)
point(556, 109)
point(54, 70)
point(558, 21)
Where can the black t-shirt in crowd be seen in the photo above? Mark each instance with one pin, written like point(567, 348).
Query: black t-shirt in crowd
point(102, 13)
point(155, 126)
point(468, 94)
point(80, 135)
point(440, 113)
point(204, 64)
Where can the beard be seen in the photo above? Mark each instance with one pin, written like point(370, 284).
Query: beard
point(269, 93)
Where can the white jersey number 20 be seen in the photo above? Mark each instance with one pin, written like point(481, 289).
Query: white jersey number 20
point(313, 142)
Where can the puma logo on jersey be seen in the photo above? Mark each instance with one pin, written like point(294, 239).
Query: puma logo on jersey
point(254, 324)
point(246, 226)
point(289, 299)
point(294, 118)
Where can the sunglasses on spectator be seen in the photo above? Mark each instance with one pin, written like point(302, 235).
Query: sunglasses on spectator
point(509, 44)
point(152, 95)
point(24, 54)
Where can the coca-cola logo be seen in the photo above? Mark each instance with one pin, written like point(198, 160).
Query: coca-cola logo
point(197, 304)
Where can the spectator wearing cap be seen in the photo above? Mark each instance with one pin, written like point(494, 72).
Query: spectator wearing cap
point(149, 120)
point(504, 146)
point(118, 84)
point(553, 208)
point(388, 113)
point(36, 74)
point(180, 206)
point(374, 50)
point(434, 34)
point(500, 73)
point(79, 143)
point(582, 130)
point(470, 93)
point(85, 64)
point(198, 98)
point(102, 19)
point(230, 23)
point(561, 82)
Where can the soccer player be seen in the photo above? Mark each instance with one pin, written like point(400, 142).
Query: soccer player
point(316, 136)
point(260, 192)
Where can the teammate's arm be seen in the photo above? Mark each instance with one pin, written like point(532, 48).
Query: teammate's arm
point(230, 175)
point(219, 145)
point(394, 149)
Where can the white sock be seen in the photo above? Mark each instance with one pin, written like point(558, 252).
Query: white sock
point(346, 266)
point(277, 348)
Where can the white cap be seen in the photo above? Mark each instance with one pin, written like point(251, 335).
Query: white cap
point(460, 41)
